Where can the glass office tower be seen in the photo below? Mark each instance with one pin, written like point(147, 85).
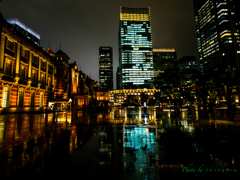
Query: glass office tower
point(135, 48)
point(105, 68)
point(218, 36)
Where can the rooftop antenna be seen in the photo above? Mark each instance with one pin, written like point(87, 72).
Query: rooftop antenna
point(60, 46)
point(90, 75)
point(49, 44)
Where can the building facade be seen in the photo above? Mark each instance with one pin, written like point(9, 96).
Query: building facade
point(83, 90)
point(27, 72)
point(119, 96)
point(135, 48)
point(105, 68)
point(163, 58)
point(218, 34)
point(103, 95)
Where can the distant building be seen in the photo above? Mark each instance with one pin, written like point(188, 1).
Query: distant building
point(83, 90)
point(135, 48)
point(62, 85)
point(73, 92)
point(163, 58)
point(92, 87)
point(188, 65)
point(187, 62)
point(103, 95)
point(218, 36)
point(25, 30)
point(63, 75)
point(105, 68)
point(119, 96)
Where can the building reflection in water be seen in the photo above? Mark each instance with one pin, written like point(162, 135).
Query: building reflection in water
point(26, 141)
point(105, 150)
point(139, 147)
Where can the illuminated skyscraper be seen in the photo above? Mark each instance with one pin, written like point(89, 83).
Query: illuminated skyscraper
point(135, 48)
point(218, 36)
point(105, 68)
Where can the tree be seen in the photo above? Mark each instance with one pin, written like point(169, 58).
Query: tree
point(225, 81)
point(132, 99)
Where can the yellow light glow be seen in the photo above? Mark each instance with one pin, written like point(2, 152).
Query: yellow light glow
point(164, 50)
point(211, 42)
point(226, 34)
point(133, 17)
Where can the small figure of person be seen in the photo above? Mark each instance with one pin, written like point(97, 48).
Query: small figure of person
point(210, 107)
point(176, 109)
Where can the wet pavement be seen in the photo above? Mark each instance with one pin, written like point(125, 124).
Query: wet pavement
point(118, 144)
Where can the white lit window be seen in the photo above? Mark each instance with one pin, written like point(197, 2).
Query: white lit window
point(5, 97)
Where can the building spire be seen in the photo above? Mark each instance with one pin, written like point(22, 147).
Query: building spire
point(60, 46)
point(49, 44)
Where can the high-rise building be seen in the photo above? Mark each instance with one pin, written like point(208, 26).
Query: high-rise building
point(105, 68)
point(135, 48)
point(163, 58)
point(218, 34)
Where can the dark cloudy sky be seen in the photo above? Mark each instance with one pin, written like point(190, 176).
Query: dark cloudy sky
point(81, 26)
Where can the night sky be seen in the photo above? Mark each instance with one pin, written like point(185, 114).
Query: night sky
point(81, 26)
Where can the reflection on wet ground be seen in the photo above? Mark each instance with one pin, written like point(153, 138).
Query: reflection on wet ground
point(118, 144)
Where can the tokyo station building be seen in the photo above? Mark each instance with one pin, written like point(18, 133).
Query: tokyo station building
point(31, 79)
point(28, 74)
